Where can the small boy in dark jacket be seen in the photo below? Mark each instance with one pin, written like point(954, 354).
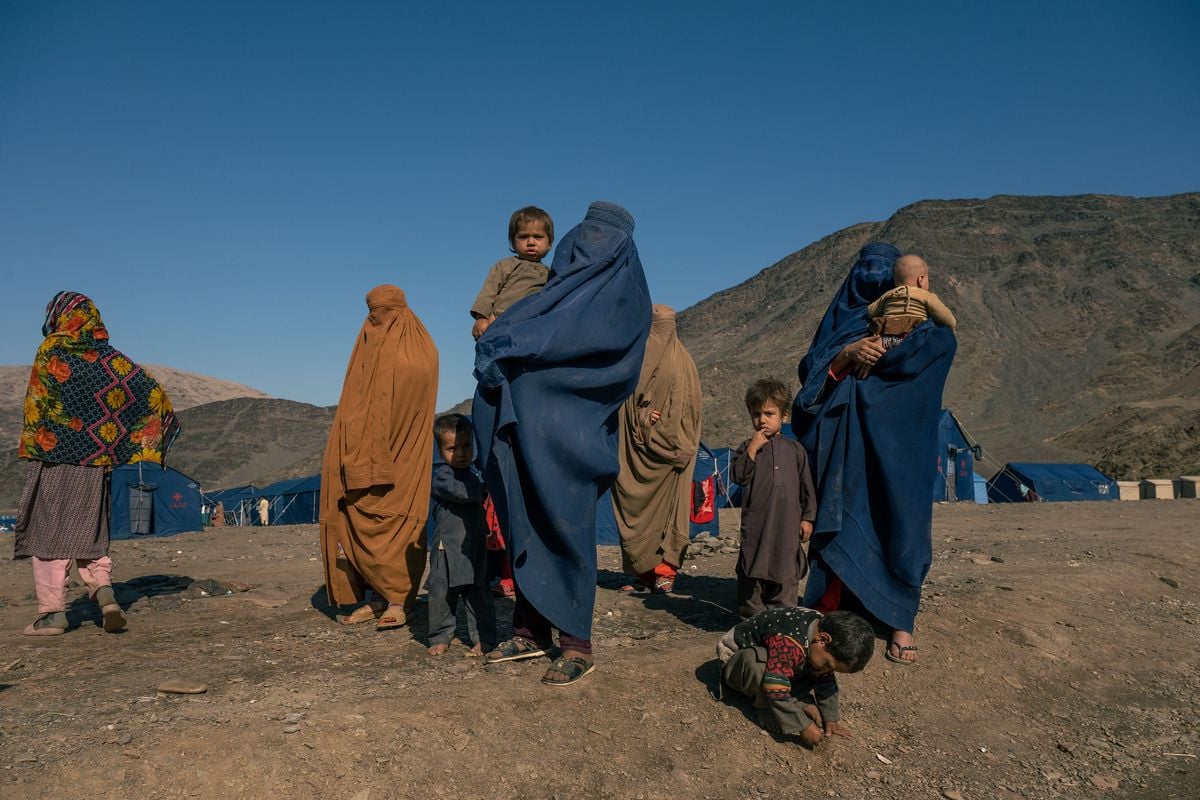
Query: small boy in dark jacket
point(457, 558)
point(785, 658)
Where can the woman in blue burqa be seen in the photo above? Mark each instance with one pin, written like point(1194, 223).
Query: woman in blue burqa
point(553, 372)
point(868, 417)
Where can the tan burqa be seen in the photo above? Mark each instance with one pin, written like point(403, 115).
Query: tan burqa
point(378, 461)
point(652, 493)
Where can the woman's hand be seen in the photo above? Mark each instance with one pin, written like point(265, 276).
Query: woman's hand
point(862, 355)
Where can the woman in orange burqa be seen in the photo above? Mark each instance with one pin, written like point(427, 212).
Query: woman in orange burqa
point(376, 475)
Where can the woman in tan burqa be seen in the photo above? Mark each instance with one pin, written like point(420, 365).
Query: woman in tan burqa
point(660, 434)
point(377, 470)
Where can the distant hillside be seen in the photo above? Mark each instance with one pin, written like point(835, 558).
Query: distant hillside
point(251, 440)
point(1079, 324)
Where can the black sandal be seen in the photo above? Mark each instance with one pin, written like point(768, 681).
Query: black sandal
point(517, 648)
point(573, 668)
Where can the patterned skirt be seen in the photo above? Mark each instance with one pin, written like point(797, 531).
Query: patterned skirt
point(63, 512)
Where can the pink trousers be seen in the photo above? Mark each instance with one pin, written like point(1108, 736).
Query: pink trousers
point(50, 579)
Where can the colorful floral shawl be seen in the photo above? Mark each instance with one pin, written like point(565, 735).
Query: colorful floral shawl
point(87, 403)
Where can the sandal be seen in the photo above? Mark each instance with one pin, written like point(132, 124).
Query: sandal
point(901, 650)
point(364, 613)
point(664, 585)
point(114, 620)
point(45, 626)
point(391, 618)
point(517, 648)
point(573, 668)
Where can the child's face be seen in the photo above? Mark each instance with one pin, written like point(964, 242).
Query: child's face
point(531, 242)
point(769, 419)
point(820, 661)
point(456, 448)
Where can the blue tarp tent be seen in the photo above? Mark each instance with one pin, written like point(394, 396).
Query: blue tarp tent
point(955, 462)
point(980, 489)
point(294, 501)
point(174, 502)
point(238, 502)
point(606, 521)
point(1050, 482)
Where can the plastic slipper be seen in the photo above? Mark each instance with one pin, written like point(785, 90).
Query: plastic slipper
point(517, 648)
point(114, 620)
point(45, 628)
point(367, 613)
point(574, 669)
point(391, 619)
point(899, 658)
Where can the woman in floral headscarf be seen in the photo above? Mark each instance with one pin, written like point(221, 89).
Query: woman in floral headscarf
point(88, 409)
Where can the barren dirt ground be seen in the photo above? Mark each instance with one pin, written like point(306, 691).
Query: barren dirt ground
point(1059, 658)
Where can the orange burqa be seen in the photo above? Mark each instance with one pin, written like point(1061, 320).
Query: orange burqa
point(377, 469)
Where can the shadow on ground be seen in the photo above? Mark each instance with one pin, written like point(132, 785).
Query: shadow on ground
point(702, 601)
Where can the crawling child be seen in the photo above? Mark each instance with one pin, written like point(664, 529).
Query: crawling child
point(785, 658)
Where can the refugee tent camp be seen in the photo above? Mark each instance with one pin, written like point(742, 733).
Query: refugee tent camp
point(1050, 482)
point(150, 500)
point(294, 501)
point(238, 502)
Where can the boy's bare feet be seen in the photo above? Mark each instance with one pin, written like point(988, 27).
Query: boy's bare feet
point(438, 649)
point(476, 651)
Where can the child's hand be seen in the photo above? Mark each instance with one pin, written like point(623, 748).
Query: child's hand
point(757, 442)
point(479, 327)
point(655, 415)
point(837, 729)
point(806, 530)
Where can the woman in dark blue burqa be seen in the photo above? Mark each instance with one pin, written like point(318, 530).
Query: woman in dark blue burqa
point(553, 371)
point(868, 419)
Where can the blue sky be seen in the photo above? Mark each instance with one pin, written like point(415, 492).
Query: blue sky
point(228, 179)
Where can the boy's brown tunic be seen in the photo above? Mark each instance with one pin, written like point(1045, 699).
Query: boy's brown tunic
point(778, 494)
point(509, 280)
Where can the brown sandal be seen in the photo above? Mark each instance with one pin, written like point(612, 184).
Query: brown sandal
point(391, 618)
point(364, 613)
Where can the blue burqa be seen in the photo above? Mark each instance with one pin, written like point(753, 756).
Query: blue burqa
point(553, 371)
point(872, 447)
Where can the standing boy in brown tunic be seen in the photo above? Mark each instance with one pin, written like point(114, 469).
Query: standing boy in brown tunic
point(779, 504)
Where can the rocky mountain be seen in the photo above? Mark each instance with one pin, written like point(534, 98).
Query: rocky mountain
point(1078, 325)
point(1079, 340)
point(251, 440)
